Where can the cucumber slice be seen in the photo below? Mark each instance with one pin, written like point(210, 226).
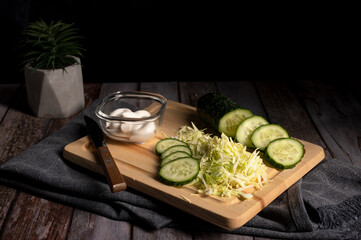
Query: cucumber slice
point(179, 171)
point(284, 153)
point(221, 113)
point(176, 148)
point(174, 156)
point(229, 122)
point(246, 128)
point(264, 134)
point(166, 143)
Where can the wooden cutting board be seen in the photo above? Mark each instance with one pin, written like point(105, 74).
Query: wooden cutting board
point(140, 165)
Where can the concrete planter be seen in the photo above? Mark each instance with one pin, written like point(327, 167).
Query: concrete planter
point(55, 93)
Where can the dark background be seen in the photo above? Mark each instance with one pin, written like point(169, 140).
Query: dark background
point(147, 40)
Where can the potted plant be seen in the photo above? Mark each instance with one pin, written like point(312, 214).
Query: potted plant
point(53, 74)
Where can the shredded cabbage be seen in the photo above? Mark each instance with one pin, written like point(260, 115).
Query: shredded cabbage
point(226, 168)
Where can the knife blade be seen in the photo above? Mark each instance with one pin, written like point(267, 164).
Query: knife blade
point(112, 173)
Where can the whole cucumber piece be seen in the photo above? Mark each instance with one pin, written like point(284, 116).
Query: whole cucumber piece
point(221, 113)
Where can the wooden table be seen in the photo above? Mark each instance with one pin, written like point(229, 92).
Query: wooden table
point(324, 113)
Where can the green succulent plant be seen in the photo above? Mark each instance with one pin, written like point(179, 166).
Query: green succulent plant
point(51, 46)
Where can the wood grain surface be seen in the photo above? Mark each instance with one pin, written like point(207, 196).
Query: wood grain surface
point(316, 110)
point(140, 165)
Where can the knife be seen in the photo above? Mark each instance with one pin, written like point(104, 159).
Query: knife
point(114, 177)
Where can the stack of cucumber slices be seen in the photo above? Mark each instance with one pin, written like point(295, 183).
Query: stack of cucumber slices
point(177, 166)
point(281, 151)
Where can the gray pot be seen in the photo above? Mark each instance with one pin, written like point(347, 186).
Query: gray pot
point(55, 93)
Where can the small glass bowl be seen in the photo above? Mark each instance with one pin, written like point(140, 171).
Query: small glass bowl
point(131, 116)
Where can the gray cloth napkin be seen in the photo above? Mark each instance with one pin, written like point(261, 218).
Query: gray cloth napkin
point(325, 204)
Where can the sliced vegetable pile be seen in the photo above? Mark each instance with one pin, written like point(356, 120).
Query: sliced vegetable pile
point(250, 130)
point(177, 165)
point(224, 167)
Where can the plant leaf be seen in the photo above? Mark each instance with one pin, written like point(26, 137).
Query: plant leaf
point(48, 46)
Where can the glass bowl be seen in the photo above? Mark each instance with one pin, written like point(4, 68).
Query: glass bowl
point(131, 116)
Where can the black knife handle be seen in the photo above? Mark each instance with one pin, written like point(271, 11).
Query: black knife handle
point(115, 179)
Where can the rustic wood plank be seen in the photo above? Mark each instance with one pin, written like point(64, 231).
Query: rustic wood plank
point(216, 236)
point(7, 94)
point(91, 92)
point(336, 114)
point(244, 93)
point(21, 130)
point(35, 218)
point(164, 233)
point(191, 91)
point(18, 131)
point(7, 195)
point(89, 226)
point(261, 238)
point(282, 107)
point(189, 94)
point(170, 91)
point(271, 100)
point(147, 165)
point(58, 223)
point(189, 99)
point(86, 225)
point(108, 88)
